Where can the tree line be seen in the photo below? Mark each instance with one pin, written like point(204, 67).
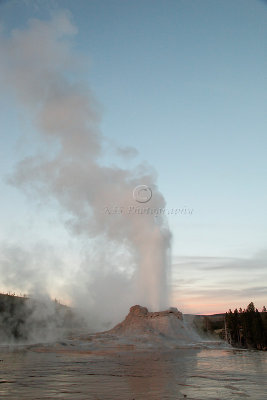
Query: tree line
point(247, 328)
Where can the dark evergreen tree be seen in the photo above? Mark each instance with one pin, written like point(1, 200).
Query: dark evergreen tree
point(247, 328)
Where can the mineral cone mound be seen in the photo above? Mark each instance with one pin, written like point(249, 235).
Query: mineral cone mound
point(165, 324)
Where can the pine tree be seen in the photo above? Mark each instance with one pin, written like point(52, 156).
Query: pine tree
point(257, 331)
point(251, 307)
point(247, 327)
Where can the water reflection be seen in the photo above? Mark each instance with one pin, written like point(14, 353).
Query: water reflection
point(160, 375)
point(75, 373)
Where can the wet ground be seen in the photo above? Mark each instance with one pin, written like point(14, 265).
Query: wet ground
point(74, 370)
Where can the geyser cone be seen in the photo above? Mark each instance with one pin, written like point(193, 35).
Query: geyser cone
point(166, 324)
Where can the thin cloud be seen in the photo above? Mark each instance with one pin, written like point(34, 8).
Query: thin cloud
point(214, 284)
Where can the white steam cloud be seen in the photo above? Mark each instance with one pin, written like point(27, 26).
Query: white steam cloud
point(38, 64)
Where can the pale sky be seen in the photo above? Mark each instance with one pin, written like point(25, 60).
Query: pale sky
point(184, 83)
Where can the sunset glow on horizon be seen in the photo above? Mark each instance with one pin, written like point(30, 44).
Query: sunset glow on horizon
point(102, 98)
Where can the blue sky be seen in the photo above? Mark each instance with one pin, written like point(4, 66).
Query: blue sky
point(183, 82)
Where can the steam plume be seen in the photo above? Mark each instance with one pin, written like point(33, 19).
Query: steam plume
point(38, 63)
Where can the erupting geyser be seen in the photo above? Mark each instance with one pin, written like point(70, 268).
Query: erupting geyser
point(38, 63)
